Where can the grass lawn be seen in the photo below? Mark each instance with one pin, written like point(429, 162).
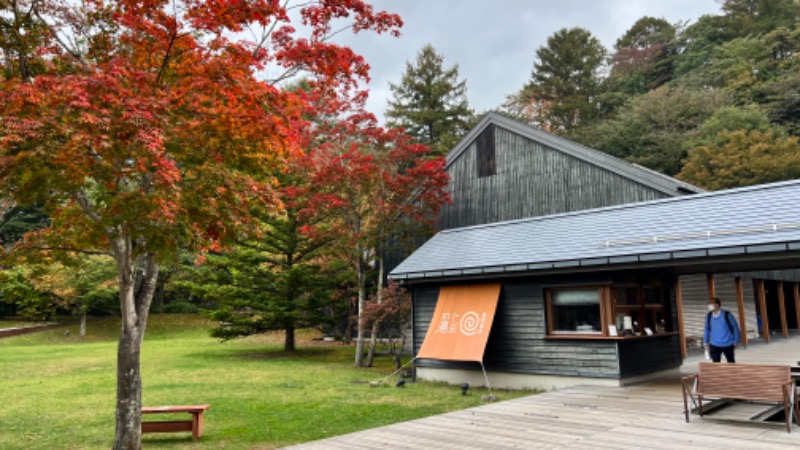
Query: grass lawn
point(59, 391)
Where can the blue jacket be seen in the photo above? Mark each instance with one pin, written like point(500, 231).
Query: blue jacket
point(720, 333)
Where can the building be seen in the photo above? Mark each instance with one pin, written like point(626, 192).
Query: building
point(503, 173)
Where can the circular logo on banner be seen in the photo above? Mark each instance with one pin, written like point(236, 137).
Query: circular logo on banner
point(470, 323)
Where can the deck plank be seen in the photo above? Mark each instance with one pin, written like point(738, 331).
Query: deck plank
point(648, 415)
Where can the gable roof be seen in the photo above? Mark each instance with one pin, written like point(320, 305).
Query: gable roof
point(639, 174)
point(744, 221)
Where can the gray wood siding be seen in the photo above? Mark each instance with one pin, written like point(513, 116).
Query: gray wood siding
point(517, 341)
point(532, 180)
point(641, 356)
point(423, 304)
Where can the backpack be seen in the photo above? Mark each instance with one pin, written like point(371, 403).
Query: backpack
point(727, 319)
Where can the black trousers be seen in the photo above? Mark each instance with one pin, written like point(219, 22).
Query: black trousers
point(716, 353)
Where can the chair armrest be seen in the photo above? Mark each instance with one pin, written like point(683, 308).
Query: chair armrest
point(788, 391)
point(690, 379)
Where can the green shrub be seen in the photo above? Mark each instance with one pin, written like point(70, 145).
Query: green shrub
point(179, 307)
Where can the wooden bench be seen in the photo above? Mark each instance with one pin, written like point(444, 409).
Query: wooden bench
point(166, 426)
point(750, 382)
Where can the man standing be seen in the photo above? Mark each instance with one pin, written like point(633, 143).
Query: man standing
point(721, 333)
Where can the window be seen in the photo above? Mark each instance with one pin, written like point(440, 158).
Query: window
point(575, 310)
point(485, 152)
point(640, 309)
point(634, 309)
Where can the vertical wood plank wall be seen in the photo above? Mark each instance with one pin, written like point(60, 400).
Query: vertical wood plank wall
point(532, 180)
point(517, 341)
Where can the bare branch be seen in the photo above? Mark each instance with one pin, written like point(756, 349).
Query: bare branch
point(86, 206)
point(75, 54)
point(289, 73)
point(163, 68)
point(268, 33)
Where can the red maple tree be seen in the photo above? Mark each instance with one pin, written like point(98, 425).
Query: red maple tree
point(148, 126)
point(377, 188)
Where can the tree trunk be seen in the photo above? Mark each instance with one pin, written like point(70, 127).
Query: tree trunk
point(376, 324)
point(362, 287)
point(82, 331)
point(129, 390)
point(292, 297)
point(137, 283)
point(289, 342)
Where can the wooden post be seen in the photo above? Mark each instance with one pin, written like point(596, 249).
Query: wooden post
point(712, 290)
point(762, 306)
point(604, 307)
point(608, 301)
point(782, 311)
point(797, 303)
point(740, 303)
point(679, 306)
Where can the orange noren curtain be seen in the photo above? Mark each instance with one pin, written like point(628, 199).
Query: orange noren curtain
point(461, 323)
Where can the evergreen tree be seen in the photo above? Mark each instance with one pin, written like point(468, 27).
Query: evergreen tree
point(644, 56)
point(18, 220)
point(564, 83)
point(754, 17)
point(430, 102)
point(259, 286)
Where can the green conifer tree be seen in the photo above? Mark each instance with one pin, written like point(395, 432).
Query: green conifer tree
point(430, 102)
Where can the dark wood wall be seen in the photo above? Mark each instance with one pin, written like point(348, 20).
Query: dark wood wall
point(517, 341)
point(640, 356)
point(531, 180)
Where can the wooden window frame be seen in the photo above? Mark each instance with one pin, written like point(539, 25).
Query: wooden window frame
point(602, 294)
point(486, 153)
point(609, 310)
point(641, 311)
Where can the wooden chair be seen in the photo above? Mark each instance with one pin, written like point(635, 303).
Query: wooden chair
point(751, 382)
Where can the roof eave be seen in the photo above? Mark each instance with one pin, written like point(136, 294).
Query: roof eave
point(776, 255)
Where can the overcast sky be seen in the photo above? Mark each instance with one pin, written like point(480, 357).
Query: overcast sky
point(494, 41)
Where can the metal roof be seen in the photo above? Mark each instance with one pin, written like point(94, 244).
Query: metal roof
point(639, 174)
point(756, 219)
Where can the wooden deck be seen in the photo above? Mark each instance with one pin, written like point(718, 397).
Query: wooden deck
point(649, 416)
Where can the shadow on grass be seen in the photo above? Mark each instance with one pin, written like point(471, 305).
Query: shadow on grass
point(169, 439)
point(304, 354)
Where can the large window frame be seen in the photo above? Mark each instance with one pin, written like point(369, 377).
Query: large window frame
point(624, 310)
point(567, 317)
